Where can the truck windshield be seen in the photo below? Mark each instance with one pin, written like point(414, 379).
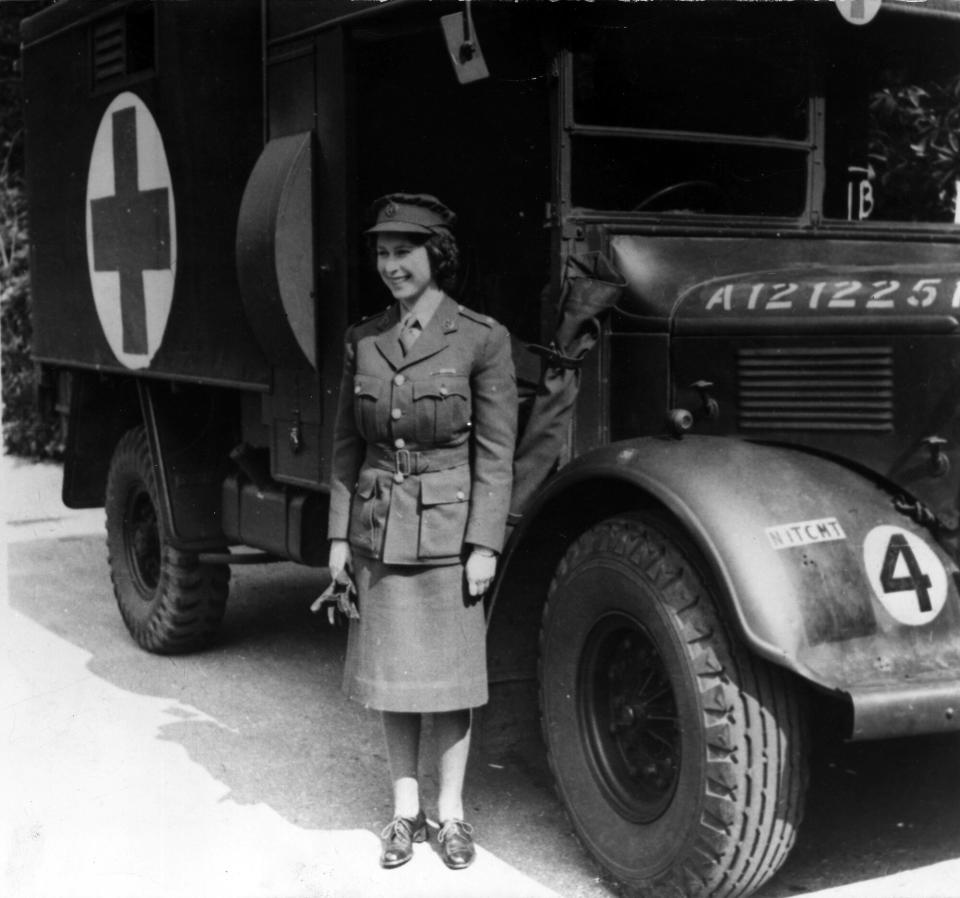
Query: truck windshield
point(690, 113)
point(722, 116)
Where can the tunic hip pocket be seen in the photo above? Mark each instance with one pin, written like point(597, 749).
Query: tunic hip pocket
point(441, 408)
point(366, 517)
point(444, 503)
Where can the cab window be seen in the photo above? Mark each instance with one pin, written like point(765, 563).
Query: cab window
point(705, 112)
point(703, 73)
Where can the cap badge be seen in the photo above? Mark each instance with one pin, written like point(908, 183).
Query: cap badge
point(390, 210)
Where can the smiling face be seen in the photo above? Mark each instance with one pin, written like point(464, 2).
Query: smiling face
point(404, 266)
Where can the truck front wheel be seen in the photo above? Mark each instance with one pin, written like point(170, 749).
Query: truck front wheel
point(679, 756)
point(170, 602)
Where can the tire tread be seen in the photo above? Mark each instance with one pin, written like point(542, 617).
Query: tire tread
point(190, 599)
point(756, 776)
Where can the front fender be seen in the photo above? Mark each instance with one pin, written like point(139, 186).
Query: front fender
point(821, 573)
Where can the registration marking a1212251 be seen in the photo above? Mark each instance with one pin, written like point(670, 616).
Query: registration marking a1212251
point(839, 296)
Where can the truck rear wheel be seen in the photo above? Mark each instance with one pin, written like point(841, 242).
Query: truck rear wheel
point(680, 757)
point(170, 602)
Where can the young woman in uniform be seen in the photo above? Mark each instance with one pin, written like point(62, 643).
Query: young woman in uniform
point(422, 466)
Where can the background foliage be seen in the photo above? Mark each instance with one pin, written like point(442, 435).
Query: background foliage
point(915, 150)
point(26, 431)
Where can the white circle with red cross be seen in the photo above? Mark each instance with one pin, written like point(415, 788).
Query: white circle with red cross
point(131, 231)
point(906, 575)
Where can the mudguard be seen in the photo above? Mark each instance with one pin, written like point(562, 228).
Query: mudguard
point(823, 574)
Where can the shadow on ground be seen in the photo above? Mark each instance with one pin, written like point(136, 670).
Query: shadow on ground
point(875, 809)
point(276, 729)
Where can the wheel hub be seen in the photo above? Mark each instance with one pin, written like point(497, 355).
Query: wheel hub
point(629, 717)
point(143, 542)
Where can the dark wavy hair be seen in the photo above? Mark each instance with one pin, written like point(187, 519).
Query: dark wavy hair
point(444, 255)
point(442, 251)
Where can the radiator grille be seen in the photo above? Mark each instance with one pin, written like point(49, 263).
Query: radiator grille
point(816, 388)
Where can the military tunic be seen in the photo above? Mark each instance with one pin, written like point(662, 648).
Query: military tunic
point(422, 469)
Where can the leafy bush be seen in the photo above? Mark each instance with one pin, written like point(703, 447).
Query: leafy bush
point(915, 150)
point(26, 431)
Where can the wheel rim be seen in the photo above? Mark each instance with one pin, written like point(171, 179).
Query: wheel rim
point(143, 542)
point(629, 718)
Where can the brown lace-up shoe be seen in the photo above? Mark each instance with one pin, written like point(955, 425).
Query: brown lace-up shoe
point(456, 844)
point(398, 837)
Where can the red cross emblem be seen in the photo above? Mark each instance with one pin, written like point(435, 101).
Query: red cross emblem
point(131, 231)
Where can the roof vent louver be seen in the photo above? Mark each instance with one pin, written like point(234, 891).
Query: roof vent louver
point(109, 50)
point(122, 46)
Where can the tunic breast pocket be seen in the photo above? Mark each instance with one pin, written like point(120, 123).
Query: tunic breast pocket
point(444, 502)
point(366, 396)
point(441, 408)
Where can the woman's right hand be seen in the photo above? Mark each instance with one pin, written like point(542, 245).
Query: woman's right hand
point(340, 557)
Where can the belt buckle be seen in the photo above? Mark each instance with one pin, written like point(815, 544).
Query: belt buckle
point(401, 462)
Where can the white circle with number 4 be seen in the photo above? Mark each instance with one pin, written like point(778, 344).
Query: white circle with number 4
point(905, 573)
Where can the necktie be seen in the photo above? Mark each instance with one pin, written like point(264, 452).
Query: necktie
point(409, 333)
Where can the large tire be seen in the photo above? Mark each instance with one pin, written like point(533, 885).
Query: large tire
point(680, 757)
point(170, 602)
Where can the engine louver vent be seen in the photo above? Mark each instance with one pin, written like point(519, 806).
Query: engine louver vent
point(109, 49)
point(816, 388)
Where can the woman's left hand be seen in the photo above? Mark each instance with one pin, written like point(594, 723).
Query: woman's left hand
point(481, 566)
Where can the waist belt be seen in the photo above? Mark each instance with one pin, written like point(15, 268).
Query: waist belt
point(406, 462)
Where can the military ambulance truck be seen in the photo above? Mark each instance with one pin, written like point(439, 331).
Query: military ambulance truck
point(728, 231)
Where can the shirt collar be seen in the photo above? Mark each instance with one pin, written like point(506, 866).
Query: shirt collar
point(424, 308)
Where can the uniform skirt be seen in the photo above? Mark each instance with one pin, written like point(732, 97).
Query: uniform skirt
point(420, 643)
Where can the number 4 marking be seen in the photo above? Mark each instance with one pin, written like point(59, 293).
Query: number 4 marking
point(916, 581)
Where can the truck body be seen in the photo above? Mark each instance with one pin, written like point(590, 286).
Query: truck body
point(753, 502)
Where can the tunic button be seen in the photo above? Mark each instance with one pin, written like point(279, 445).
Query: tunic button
point(399, 443)
point(358, 389)
point(399, 379)
point(395, 414)
point(461, 495)
point(398, 477)
point(443, 391)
